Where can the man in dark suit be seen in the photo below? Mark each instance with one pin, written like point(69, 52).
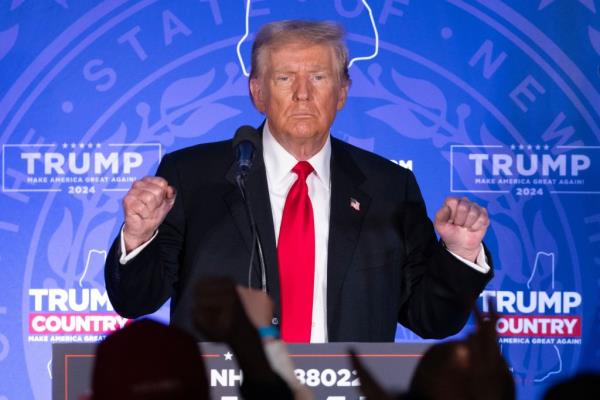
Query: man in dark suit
point(348, 247)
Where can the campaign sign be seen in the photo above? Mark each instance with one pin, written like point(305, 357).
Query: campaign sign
point(493, 100)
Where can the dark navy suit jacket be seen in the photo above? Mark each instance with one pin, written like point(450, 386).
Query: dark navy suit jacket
point(385, 264)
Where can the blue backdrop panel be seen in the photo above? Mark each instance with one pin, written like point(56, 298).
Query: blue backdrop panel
point(495, 100)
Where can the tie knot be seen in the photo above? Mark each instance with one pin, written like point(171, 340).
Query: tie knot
point(303, 169)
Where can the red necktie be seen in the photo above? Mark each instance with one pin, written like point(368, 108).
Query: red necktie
point(296, 254)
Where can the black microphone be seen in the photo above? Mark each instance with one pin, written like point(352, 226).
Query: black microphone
point(245, 142)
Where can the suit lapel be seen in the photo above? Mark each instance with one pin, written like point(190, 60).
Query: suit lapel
point(349, 205)
point(258, 193)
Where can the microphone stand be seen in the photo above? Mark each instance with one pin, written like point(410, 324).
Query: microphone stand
point(256, 243)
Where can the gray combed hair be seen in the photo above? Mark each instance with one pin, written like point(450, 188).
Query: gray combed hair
point(279, 33)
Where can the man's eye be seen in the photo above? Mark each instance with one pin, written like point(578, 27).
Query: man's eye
point(283, 78)
point(318, 77)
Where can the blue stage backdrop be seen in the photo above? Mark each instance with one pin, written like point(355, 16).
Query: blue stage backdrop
point(495, 100)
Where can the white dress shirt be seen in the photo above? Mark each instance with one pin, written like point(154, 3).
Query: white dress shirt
point(280, 178)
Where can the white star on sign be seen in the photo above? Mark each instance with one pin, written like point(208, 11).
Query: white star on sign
point(228, 356)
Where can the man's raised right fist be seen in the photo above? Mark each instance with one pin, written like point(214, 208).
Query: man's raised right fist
point(146, 205)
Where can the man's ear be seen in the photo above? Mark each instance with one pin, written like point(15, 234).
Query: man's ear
point(257, 94)
point(342, 95)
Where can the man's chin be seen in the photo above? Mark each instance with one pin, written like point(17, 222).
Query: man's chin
point(305, 133)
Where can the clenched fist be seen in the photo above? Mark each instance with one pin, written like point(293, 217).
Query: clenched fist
point(462, 225)
point(146, 205)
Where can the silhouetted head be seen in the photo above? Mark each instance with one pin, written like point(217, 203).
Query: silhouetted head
point(449, 371)
point(581, 387)
point(148, 360)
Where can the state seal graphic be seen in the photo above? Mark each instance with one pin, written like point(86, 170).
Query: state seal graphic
point(496, 101)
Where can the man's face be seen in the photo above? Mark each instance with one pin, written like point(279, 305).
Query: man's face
point(299, 90)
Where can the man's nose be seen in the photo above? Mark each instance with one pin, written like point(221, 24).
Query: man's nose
point(302, 89)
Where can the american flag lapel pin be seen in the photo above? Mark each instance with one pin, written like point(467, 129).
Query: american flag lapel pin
point(354, 204)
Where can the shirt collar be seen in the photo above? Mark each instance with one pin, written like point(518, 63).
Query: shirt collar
point(279, 163)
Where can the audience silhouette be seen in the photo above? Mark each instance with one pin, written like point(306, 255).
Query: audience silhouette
point(148, 360)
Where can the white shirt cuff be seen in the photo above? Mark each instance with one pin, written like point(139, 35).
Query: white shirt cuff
point(125, 258)
point(480, 265)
